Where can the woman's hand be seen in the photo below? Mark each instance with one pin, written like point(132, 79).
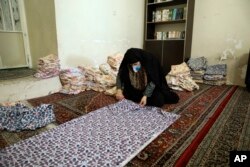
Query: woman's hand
point(143, 101)
point(119, 95)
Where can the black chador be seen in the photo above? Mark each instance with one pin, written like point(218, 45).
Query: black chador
point(148, 81)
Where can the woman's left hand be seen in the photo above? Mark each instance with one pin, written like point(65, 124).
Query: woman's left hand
point(143, 101)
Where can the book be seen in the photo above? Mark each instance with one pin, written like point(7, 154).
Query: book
point(185, 13)
point(179, 14)
point(174, 14)
point(165, 14)
point(170, 14)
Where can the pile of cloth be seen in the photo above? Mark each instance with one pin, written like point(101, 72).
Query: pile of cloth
point(48, 67)
point(72, 80)
point(202, 73)
point(115, 60)
point(179, 78)
point(21, 117)
point(101, 79)
point(97, 80)
point(216, 74)
point(198, 67)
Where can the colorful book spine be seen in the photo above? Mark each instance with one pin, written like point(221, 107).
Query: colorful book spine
point(174, 14)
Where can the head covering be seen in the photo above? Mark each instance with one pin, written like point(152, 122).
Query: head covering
point(132, 56)
point(149, 62)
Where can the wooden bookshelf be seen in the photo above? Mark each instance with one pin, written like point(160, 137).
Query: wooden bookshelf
point(174, 19)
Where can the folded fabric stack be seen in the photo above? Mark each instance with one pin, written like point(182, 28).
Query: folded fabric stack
point(48, 67)
point(96, 80)
point(102, 79)
point(72, 80)
point(115, 60)
point(198, 67)
point(216, 74)
point(179, 78)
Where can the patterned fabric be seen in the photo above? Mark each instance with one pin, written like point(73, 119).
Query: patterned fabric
point(199, 63)
point(105, 68)
point(198, 72)
point(109, 136)
point(115, 60)
point(72, 80)
point(48, 66)
point(195, 112)
point(181, 83)
point(20, 117)
point(201, 81)
point(218, 69)
point(179, 78)
point(179, 69)
point(197, 75)
point(195, 109)
point(217, 82)
point(214, 77)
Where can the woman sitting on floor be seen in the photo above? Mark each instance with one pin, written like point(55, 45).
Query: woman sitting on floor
point(141, 79)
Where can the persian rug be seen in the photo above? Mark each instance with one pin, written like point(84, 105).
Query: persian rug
point(68, 107)
point(109, 136)
point(196, 112)
point(202, 112)
point(85, 102)
point(231, 132)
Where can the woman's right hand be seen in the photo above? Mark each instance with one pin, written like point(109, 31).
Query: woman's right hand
point(119, 95)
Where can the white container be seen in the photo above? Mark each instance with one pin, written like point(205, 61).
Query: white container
point(158, 35)
point(158, 16)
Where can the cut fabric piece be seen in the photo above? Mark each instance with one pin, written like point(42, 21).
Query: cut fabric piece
point(20, 117)
point(110, 136)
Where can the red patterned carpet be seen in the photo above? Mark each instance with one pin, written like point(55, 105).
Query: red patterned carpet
point(192, 140)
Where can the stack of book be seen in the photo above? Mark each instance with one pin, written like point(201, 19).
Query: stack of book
point(169, 14)
point(169, 35)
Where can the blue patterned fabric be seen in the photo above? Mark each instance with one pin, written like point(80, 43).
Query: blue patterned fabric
point(108, 137)
point(218, 69)
point(199, 63)
point(214, 77)
point(21, 117)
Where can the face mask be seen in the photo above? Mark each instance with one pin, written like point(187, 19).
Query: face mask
point(136, 68)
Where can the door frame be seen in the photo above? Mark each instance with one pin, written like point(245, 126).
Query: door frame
point(25, 35)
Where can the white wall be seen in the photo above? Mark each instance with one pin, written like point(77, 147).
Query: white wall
point(89, 31)
point(221, 25)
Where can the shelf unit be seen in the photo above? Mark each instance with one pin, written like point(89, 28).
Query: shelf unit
point(169, 40)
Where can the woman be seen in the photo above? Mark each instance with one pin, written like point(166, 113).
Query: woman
point(140, 79)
